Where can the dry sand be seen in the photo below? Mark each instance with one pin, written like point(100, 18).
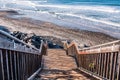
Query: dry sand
point(29, 25)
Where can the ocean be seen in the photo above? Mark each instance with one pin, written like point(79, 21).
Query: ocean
point(93, 15)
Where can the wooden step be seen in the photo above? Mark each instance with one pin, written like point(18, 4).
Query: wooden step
point(57, 59)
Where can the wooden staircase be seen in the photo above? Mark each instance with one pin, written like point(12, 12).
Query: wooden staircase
point(59, 66)
point(57, 59)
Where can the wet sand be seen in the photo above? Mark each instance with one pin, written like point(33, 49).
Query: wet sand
point(42, 28)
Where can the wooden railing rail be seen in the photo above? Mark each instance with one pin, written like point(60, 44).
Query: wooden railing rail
point(117, 42)
point(15, 39)
point(102, 61)
point(71, 49)
point(19, 61)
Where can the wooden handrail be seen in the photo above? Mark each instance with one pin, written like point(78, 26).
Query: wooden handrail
point(75, 45)
point(107, 47)
point(15, 39)
point(102, 45)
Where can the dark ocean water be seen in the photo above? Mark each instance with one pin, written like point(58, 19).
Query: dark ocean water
point(94, 15)
point(103, 2)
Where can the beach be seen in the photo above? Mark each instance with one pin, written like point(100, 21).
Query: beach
point(96, 15)
point(42, 28)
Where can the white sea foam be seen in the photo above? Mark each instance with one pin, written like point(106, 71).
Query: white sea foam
point(91, 19)
point(17, 3)
point(79, 7)
point(92, 8)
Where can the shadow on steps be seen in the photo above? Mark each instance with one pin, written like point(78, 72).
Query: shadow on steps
point(55, 74)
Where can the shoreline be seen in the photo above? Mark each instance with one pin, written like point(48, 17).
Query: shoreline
point(42, 28)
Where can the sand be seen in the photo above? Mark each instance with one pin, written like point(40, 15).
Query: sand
point(28, 25)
